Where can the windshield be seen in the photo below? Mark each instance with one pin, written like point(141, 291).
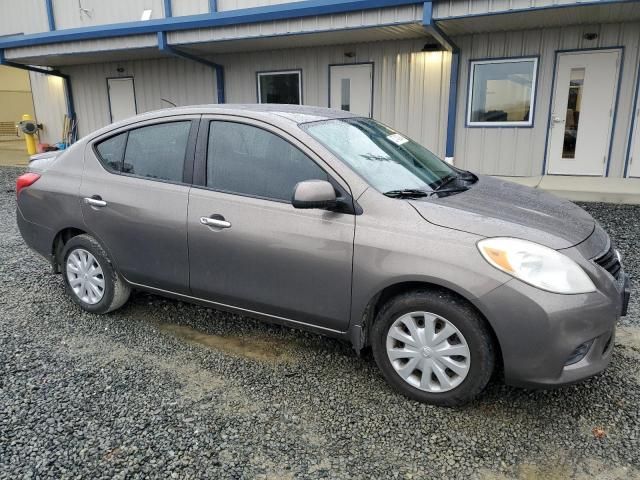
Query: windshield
point(386, 159)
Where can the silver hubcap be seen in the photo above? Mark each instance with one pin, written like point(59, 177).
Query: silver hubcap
point(85, 276)
point(428, 352)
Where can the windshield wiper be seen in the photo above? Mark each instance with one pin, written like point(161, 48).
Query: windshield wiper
point(449, 190)
point(446, 182)
point(407, 193)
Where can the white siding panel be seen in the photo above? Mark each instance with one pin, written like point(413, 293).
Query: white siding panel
point(179, 81)
point(410, 87)
point(49, 100)
point(189, 7)
point(83, 46)
point(458, 8)
point(372, 18)
point(85, 13)
point(24, 16)
point(521, 151)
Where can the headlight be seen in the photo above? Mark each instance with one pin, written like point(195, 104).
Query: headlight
point(536, 265)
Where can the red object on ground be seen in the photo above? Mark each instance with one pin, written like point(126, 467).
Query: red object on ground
point(25, 180)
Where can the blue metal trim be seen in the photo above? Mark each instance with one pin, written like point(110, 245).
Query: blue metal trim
point(615, 113)
point(453, 104)
point(535, 92)
point(50, 16)
point(452, 110)
point(627, 161)
point(164, 46)
point(71, 111)
point(213, 6)
point(301, 9)
point(534, 9)
point(168, 13)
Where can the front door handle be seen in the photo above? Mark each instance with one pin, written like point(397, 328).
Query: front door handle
point(95, 201)
point(216, 221)
point(557, 119)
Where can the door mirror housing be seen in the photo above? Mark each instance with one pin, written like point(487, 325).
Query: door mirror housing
point(314, 194)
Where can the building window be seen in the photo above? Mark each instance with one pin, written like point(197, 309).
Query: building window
point(502, 92)
point(280, 87)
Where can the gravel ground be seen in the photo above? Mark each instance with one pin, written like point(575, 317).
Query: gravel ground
point(166, 389)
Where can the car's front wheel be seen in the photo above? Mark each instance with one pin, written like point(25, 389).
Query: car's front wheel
point(433, 347)
point(89, 276)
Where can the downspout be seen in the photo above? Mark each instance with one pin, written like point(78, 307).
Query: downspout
point(442, 38)
point(71, 112)
point(163, 46)
point(50, 17)
point(213, 6)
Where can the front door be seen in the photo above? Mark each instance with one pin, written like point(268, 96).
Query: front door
point(634, 154)
point(122, 98)
point(248, 246)
point(583, 109)
point(351, 88)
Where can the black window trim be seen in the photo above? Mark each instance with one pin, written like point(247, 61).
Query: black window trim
point(285, 71)
point(189, 158)
point(200, 166)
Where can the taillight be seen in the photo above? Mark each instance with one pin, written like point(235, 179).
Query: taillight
point(25, 180)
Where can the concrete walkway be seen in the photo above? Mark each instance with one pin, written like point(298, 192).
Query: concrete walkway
point(586, 189)
point(13, 153)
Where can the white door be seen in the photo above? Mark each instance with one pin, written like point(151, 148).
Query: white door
point(351, 88)
point(122, 98)
point(634, 155)
point(582, 112)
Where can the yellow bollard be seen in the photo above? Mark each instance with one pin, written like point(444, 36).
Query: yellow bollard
point(29, 138)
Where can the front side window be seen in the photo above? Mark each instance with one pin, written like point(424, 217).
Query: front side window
point(251, 161)
point(501, 92)
point(157, 151)
point(386, 159)
point(280, 87)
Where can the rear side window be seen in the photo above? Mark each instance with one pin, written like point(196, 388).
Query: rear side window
point(251, 161)
point(157, 151)
point(111, 151)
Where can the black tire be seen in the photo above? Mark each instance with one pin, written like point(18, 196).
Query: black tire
point(464, 317)
point(116, 290)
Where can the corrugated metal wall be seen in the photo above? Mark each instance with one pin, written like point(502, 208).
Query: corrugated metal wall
point(189, 7)
point(50, 105)
point(410, 87)
point(14, 21)
point(521, 151)
point(368, 18)
point(84, 13)
point(457, 8)
point(180, 81)
point(237, 4)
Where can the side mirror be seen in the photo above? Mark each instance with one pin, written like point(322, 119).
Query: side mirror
point(314, 194)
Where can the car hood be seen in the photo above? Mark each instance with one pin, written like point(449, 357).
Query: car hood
point(493, 208)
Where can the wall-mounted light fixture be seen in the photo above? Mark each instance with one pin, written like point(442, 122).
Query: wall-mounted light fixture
point(590, 36)
point(349, 54)
point(432, 47)
point(120, 69)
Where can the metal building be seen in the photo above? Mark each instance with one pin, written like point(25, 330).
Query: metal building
point(504, 87)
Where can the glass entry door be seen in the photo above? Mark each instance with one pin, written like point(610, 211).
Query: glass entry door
point(582, 113)
point(351, 88)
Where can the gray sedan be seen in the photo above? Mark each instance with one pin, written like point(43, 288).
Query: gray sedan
point(322, 220)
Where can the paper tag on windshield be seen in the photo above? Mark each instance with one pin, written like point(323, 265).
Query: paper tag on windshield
point(397, 139)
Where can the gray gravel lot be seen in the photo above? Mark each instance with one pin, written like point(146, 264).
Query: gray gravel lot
point(166, 389)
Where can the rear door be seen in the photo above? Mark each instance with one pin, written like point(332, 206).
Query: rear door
point(135, 191)
point(266, 256)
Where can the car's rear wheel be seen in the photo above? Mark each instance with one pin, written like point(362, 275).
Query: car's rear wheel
point(433, 347)
point(90, 278)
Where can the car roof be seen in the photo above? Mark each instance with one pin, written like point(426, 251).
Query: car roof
point(296, 114)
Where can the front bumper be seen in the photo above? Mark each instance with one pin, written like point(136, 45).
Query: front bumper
point(539, 331)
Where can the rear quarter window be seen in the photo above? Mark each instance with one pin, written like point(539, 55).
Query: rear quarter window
point(111, 151)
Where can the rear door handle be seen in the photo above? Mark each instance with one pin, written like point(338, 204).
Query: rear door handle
point(95, 201)
point(216, 221)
